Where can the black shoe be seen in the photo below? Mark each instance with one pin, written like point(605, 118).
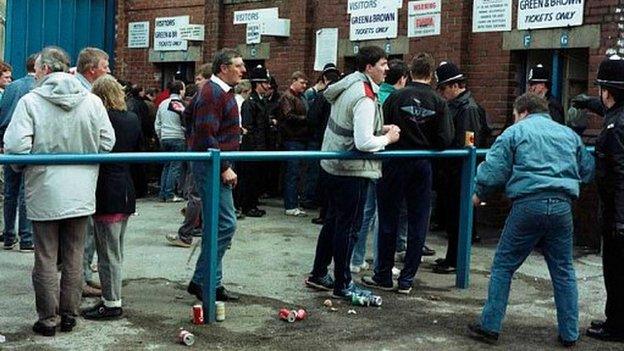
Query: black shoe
point(101, 312)
point(317, 220)
point(475, 331)
point(604, 334)
point(254, 212)
point(597, 323)
point(308, 205)
point(566, 343)
point(195, 289)
point(42, 329)
point(427, 251)
point(323, 283)
point(225, 295)
point(67, 323)
point(444, 268)
point(10, 245)
point(26, 247)
point(370, 282)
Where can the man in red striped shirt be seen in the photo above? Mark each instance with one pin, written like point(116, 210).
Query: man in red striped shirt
point(212, 122)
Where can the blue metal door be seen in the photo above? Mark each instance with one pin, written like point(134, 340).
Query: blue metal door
point(70, 24)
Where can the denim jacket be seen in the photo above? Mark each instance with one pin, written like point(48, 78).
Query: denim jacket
point(535, 155)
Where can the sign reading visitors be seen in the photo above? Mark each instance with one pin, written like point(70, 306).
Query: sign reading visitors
point(375, 23)
point(358, 5)
point(138, 35)
point(167, 33)
point(424, 18)
point(254, 33)
point(257, 15)
point(193, 32)
point(534, 14)
point(326, 48)
point(491, 15)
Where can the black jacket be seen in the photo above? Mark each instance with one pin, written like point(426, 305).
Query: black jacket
point(555, 109)
point(422, 116)
point(610, 168)
point(467, 115)
point(255, 119)
point(115, 190)
point(318, 115)
point(139, 107)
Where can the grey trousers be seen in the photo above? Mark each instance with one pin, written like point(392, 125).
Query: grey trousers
point(109, 241)
point(89, 251)
point(192, 217)
point(52, 238)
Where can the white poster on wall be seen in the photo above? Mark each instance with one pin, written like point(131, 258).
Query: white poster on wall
point(424, 18)
point(257, 15)
point(254, 33)
point(138, 35)
point(491, 15)
point(326, 48)
point(167, 33)
point(359, 5)
point(373, 24)
point(534, 14)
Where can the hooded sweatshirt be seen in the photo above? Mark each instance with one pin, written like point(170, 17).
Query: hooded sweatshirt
point(59, 116)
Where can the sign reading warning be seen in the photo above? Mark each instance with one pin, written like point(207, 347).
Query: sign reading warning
point(424, 18)
point(535, 14)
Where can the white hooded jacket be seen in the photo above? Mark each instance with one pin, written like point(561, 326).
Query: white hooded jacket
point(59, 116)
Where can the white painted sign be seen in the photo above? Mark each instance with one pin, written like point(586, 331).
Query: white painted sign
point(359, 5)
point(138, 35)
point(167, 33)
point(534, 14)
point(279, 27)
point(257, 15)
point(254, 33)
point(424, 18)
point(326, 48)
point(194, 32)
point(491, 15)
point(374, 24)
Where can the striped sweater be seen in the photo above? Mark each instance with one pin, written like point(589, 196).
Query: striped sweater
point(212, 121)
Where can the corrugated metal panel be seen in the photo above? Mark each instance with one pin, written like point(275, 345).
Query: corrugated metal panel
point(70, 24)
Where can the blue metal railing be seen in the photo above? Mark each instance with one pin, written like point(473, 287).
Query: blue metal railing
point(210, 202)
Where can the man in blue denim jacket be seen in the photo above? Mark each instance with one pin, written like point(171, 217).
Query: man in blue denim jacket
point(541, 164)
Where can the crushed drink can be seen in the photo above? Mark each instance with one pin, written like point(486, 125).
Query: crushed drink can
point(360, 300)
point(198, 314)
point(375, 300)
point(301, 315)
point(186, 338)
point(288, 315)
point(220, 307)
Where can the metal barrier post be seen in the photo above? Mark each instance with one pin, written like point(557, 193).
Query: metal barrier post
point(462, 279)
point(210, 217)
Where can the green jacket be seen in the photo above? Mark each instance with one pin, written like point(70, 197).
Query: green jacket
point(385, 90)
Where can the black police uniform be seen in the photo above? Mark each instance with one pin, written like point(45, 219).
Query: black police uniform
point(539, 74)
point(610, 182)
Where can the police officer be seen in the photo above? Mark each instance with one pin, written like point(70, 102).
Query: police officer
point(610, 182)
point(255, 122)
point(539, 84)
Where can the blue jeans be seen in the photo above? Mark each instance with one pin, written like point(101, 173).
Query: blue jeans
point(310, 189)
point(402, 230)
point(369, 223)
point(547, 218)
point(14, 197)
point(409, 181)
point(291, 177)
point(227, 222)
point(171, 170)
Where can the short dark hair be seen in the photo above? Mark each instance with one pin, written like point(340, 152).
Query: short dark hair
point(5, 67)
point(204, 70)
point(422, 66)
point(30, 62)
point(190, 90)
point(298, 75)
point(176, 87)
point(223, 57)
point(397, 69)
point(369, 55)
point(332, 76)
point(530, 103)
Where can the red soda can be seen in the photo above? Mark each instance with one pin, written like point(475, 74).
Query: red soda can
point(198, 314)
point(186, 338)
point(287, 315)
point(301, 314)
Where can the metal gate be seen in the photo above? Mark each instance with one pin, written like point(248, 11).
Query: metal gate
point(70, 24)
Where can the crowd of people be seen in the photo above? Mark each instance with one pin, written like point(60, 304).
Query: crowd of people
point(383, 105)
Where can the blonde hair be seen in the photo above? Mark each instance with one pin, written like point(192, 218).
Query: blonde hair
point(111, 92)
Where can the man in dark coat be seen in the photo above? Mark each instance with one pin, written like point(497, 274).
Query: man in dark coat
point(255, 121)
point(609, 179)
point(539, 84)
point(467, 116)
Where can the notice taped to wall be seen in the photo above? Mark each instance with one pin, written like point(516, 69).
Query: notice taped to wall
point(535, 14)
point(491, 15)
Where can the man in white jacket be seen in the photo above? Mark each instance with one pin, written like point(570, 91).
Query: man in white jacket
point(58, 116)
